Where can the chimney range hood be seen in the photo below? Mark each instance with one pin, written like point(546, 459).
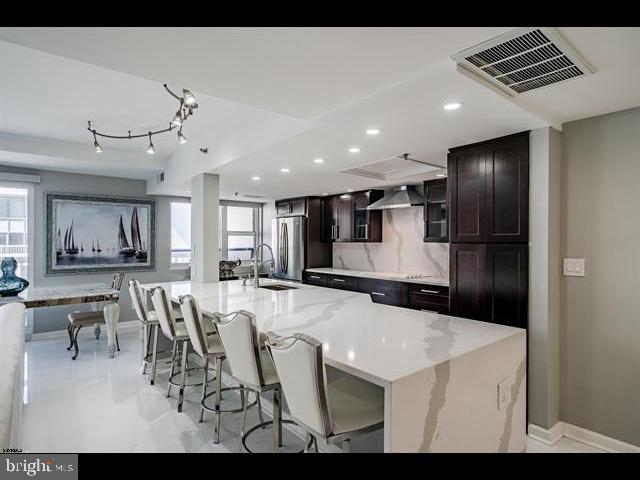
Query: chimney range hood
point(401, 197)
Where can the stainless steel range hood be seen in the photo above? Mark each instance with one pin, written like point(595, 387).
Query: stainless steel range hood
point(401, 197)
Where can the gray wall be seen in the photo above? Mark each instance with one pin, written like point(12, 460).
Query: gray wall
point(54, 318)
point(600, 313)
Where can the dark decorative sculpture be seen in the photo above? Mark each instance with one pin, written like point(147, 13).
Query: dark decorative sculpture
point(10, 284)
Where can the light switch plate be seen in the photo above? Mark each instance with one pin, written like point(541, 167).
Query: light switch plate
point(573, 267)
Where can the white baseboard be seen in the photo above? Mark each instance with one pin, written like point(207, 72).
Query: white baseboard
point(563, 429)
point(548, 437)
point(125, 326)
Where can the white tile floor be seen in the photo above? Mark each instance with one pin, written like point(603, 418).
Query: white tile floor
point(97, 404)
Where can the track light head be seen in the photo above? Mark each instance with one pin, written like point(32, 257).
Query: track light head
point(150, 149)
point(177, 119)
point(181, 137)
point(97, 146)
point(189, 98)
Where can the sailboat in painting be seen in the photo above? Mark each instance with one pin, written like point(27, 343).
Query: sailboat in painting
point(140, 252)
point(59, 245)
point(124, 247)
point(70, 247)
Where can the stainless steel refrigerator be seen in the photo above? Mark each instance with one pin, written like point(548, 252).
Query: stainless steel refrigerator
point(288, 242)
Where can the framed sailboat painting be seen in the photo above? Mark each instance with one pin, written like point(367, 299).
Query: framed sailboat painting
point(90, 234)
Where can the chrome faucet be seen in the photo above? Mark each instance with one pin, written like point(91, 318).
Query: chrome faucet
point(256, 266)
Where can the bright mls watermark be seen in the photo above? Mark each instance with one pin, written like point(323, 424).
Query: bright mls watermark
point(64, 466)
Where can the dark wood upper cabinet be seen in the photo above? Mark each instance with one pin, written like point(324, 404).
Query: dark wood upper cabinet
point(345, 217)
point(329, 218)
point(291, 207)
point(344, 223)
point(507, 190)
point(435, 211)
point(367, 224)
point(489, 191)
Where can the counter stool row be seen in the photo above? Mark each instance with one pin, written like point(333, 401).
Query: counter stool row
point(293, 366)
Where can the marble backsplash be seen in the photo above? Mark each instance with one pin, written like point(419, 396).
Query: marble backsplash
point(401, 250)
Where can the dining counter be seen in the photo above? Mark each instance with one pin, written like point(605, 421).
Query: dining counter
point(450, 383)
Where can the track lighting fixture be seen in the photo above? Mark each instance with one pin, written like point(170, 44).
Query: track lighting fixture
point(187, 106)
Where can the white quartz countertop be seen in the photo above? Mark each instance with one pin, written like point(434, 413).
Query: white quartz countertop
point(377, 342)
point(397, 277)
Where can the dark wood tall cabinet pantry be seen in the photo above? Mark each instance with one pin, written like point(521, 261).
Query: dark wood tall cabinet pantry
point(489, 230)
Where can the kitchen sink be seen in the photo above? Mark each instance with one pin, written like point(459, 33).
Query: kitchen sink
point(277, 287)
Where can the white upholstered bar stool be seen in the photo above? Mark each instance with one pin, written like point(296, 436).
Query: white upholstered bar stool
point(252, 367)
point(208, 346)
point(150, 326)
point(178, 334)
point(335, 412)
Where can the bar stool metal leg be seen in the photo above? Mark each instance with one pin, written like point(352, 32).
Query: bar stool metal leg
point(216, 421)
point(173, 364)
point(204, 387)
point(183, 372)
point(277, 425)
point(244, 419)
point(259, 409)
point(154, 357)
point(346, 445)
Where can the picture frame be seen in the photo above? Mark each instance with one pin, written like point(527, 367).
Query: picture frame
point(95, 234)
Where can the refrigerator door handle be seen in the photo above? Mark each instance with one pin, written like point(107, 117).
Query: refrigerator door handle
point(286, 248)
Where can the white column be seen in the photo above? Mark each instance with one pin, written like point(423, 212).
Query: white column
point(205, 199)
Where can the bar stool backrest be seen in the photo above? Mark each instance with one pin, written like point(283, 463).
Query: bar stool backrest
point(192, 316)
point(300, 367)
point(163, 309)
point(136, 300)
point(239, 337)
point(117, 280)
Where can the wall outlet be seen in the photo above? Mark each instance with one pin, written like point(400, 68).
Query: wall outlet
point(573, 267)
point(504, 393)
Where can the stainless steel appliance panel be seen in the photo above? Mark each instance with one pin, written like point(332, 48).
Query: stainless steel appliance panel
point(288, 247)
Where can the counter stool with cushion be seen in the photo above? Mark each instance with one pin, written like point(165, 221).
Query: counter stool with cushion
point(335, 412)
point(77, 319)
point(252, 367)
point(176, 331)
point(151, 326)
point(208, 346)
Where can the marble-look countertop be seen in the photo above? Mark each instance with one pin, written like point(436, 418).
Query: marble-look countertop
point(396, 277)
point(377, 342)
point(34, 297)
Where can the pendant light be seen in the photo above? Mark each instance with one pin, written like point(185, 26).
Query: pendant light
point(150, 149)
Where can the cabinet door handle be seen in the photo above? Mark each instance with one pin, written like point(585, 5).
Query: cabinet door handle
point(337, 231)
point(366, 231)
point(379, 294)
point(337, 280)
point(313, 276)
point(428, 291)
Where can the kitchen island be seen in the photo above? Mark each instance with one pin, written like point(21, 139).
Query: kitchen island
point(450, 384)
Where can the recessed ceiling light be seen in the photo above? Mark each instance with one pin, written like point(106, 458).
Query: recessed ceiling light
point(318, 160)
point(354, 150)
point(373, 131)
point(255, 178)
point(441, 175)
point(350, 190)
point(285, 170)
point(325, 193)
point(452, 106)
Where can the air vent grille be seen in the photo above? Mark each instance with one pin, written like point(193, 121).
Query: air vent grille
point(525, 59)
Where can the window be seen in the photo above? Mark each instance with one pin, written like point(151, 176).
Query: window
point(13, 226)
point(239, 230)
point(240, 227)
point(180, 233)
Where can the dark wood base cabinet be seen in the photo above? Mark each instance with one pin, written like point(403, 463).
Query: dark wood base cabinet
point(489, 282)
point(418, 296)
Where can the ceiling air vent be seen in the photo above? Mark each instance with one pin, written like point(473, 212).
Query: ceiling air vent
point(524, 59)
